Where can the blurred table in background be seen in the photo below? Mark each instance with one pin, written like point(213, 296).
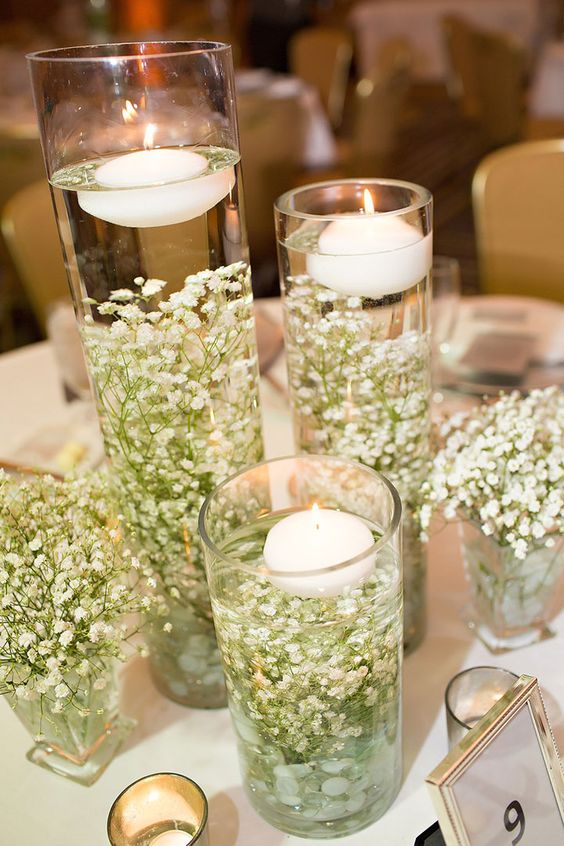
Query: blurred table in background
point(419, 23)
point(262, 88)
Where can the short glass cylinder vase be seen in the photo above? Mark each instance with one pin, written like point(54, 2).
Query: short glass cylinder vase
point(511, 598)
point(142, 154)
point(355, 259)
point(304, 568)
point(79, 739)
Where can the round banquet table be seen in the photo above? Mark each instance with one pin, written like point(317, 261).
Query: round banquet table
point(39, 807)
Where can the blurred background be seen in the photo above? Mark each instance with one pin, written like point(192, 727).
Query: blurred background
point(419, 90)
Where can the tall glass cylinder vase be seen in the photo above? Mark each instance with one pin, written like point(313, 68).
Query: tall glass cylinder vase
point(355, 259)
point(304, 568)
point(142, 155)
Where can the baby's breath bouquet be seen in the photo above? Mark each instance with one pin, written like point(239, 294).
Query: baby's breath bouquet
point(176, 377)
point(502, 469)
point(70, 597)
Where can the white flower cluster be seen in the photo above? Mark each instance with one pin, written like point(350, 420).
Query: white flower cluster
point(357, 392)
point(177, 389)
point(66, 586)
point(502, 467)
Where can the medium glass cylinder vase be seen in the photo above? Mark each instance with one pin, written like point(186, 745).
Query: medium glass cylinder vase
point(355, 259)
point(142, 155)
point(304, 568)
point(511, 597)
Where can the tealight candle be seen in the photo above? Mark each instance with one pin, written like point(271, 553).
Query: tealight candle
point(315, 539)
point(172, 838)
point(155, 187)
point(150, 810)
point(370, 254)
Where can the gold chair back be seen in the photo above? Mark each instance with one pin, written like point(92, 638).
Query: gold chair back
point(272, 132)
point(378, 107)
point(322, 57)
point(487, 78)
point(518, 198)
point(30, 234)
point(462, 72)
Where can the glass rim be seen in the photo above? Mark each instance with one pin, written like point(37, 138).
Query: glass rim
point(282, 203)
point(392, 528)
point(95, 52)
point(448, 708)
point(204, 820)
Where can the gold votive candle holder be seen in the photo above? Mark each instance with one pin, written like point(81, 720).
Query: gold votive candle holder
point(163, 809)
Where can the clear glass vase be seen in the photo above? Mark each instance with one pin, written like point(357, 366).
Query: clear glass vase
point(511, 598)
point(142, 155)
point(355, 259)
point(79, 741)
point(311, 638)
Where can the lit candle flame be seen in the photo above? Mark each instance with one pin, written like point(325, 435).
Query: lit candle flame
point(368, 202)
point(149, 139)
point(315, 514)
point(129, 112)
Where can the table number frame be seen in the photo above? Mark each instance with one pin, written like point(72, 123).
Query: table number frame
point(525, 694)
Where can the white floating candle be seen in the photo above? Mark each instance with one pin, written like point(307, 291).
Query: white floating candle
point(155, 187)
point(315, 539)
point(172, 838)
point(370, 255)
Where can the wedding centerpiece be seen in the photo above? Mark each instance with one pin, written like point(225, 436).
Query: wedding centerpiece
point(355, 259)
point(142, 153)
point(310, 631)
point(70, 597)
point(501, 469)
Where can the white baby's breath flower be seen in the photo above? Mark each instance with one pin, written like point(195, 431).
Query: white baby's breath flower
point(492, 469)
point(152, 287)
point(63, 568)
point(121, 295)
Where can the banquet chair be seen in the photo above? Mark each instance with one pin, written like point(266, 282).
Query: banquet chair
point(272, 132)
point(322, 57)
point(30, 235)
point(462, 73)
point(487, 79)
point(21, 162)
point(379, 101)
point(518, 199)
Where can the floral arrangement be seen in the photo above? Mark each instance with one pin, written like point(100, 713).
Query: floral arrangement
point(68, 588)
point(358, 393)
point(314, 690)
point(176, 377)
point(502, 467)
point(177, 389)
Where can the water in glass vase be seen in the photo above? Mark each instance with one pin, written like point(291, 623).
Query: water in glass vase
point(314, 688)
point(359, 383)
point(165, 309)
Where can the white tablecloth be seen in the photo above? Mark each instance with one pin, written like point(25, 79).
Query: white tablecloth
point(419, 22)
point(546, 96)
point(39, 807)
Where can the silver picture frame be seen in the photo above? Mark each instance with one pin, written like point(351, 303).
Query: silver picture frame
point(445, 781)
